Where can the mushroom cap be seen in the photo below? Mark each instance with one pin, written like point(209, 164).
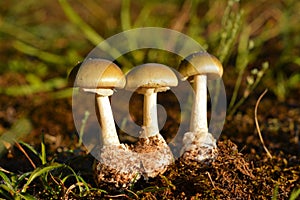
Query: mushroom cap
point(201, 63)
point(150, 75)
point(99, 73)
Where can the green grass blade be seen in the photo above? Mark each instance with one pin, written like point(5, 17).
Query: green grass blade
point(62, 93)
point(151, 189)
point(144, 15)
point(6, 191)
point(241, 63)
point(19, 33)
point(6, 180)
point(125, 15)
point(29, 89)
point(295, 194)
point(43, 155)
point(89, 32)
point(275, 193)
point(27, 196)
point(231, 26)
point(22, 177)
point(43, 55)
point(82, 128)
point(39, 171)
point(63, 180)
point(78, 178)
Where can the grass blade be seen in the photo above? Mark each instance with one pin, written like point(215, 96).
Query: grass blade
point(43, 155)
point(295, 194)
point(6, 180)
point(89, 32)
point(6, 191)
point(43, 55)
point(125, 15)
point(38, 172)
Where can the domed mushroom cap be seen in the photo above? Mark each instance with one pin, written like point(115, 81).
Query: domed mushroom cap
point(99, 73)
point(150, 75)
point(201, 63)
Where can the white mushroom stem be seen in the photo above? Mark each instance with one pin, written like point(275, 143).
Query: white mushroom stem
point(107, 123)
point(150, 113)
point(199, 110)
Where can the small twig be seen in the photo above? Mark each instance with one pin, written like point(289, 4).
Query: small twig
point(4, 170)
point(116, 196)
point(69, 190)
point(52, 177)
point(24, 152)
point(208, 174)
point(257, 125)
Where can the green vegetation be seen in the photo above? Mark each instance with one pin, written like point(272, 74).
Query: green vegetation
point(58, 43)
point(53, 177)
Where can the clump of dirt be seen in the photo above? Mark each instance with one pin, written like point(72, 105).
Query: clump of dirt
point(231, 176)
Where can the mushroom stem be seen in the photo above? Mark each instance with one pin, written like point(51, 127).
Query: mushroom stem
point(150, 113)
point(199, 110)
point(109, 133)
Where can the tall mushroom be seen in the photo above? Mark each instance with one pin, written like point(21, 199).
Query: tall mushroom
point(198, 144)
point(148, 79)
point(117, 164)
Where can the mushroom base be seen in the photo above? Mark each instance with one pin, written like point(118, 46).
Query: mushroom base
point(121, 165)
point(199, 147)
point(155, 155)
point(200, 154)
point(118, 166)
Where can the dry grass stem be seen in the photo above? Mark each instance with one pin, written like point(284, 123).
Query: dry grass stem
point(208, 174)
point(26, 155)
point(257, 125)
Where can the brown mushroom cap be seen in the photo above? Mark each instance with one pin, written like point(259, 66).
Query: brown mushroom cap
point(99, 73)
point(201, 63)
point(151, 75)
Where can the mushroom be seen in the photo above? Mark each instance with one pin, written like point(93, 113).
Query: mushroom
point(117, 164)
point(199, 144)
point(148, 79)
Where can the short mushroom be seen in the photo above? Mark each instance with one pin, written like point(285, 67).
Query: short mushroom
point(117, 164)
point(148, 79)
point(199, 67)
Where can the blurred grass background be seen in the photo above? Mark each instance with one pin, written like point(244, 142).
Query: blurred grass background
point(257, 42)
